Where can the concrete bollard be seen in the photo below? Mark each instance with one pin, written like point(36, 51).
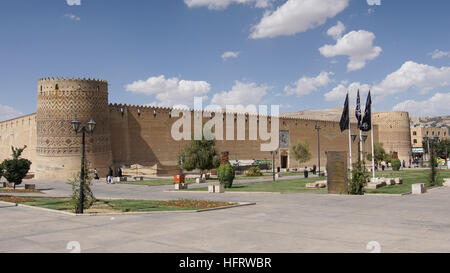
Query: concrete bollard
point(446, 182)
point(219, 188)
point(211, 188)
point(181, 186)
point(419, 188)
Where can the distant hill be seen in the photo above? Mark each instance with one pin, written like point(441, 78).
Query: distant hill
point(442, 121)
point(334, 114)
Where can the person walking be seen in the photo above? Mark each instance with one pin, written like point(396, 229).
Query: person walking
point(96, 174)
point(305, 172)
point(109, 179)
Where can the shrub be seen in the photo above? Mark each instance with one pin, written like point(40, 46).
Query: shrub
point(254, 171)
point(358, 181)
point(89, 198)
point(396, 164)
point(226, 175)
point(15, 169)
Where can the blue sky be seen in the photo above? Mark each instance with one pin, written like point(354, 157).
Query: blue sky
point(300, 54)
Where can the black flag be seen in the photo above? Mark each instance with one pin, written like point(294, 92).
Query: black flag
point(366, 124)
point(358, 110)
point(345, 119)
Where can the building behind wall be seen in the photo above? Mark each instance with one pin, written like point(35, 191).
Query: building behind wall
point(127, 135)
point(418, 134)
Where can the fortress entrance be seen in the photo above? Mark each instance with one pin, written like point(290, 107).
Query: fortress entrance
point(284, 161)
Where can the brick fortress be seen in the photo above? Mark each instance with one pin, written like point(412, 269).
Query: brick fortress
point(127, 135)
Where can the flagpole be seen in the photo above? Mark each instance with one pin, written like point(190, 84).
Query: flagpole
point(373, 149)
point(350, 140)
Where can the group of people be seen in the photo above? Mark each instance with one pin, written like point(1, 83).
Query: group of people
point(109, 176)
point(313, 170)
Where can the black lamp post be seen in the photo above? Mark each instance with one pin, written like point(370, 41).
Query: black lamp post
point(273, 153)
point(90, 129)
point(318, 144)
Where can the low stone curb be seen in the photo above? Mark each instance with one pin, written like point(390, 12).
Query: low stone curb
point(229, 192)
point(240, 204)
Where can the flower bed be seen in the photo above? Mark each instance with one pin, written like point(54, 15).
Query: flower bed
point(8, 190)
point(115, 205)
point(15, 199)
point(197, 204)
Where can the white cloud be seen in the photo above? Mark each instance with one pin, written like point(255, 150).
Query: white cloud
point(223, 4)
point(339, 92)
point(73, 2)
point(169, 92)
point(438, 54)
point(73, 17)
point(436, 105)
point(357, 45)
point(230, 54)
point(307, 85)
point(297, 16)
point(336, 31)
point(7, 112)
point(420, 76)
point(241, 94)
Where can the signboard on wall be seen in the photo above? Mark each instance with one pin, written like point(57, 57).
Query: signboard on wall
point(284, 139)
point(417, 150)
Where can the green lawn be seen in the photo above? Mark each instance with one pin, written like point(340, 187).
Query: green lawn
point(63, 204)
point(409, 177)
point(281, 186)
point(299, 185)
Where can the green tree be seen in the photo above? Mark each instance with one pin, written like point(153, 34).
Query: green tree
point(89, 198)
point(380, 153)
point(396, 164)
point(226, 174)
point(442, 148)
point(1, 171)
point(15, 169)
point(201, 155)
point(301, 152)
point(359, 177)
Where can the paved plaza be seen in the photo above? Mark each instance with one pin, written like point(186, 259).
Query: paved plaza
point(277, 223)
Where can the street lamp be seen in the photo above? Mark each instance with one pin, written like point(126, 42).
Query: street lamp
point(90, 129)
point(318, 144)
point(273, 153)
point(364, 137)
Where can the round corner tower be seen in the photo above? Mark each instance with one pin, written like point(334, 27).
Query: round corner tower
point(58, 147)
point(394, 132)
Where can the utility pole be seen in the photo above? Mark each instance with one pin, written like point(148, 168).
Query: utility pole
point(318, 145)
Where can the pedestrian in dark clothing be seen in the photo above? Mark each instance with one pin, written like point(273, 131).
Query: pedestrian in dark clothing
point(305, 172)
point(314, 169)
point(109, 179)
point(96, 175)
point(119, 172)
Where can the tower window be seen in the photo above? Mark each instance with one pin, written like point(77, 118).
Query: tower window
point(57, 87)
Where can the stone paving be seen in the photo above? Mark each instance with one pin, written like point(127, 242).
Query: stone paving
point(277, 223)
